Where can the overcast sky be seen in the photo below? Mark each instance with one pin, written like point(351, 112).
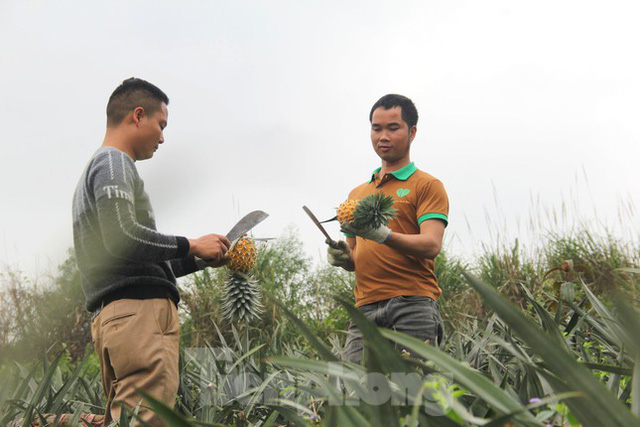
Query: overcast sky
point(523, 106)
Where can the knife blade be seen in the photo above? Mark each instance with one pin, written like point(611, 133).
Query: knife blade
point(247, 222)
point(330, 241)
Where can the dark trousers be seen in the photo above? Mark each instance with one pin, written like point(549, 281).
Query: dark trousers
point(416, 316)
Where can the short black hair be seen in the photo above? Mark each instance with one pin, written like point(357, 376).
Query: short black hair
point(408, 109)
point(133, 93)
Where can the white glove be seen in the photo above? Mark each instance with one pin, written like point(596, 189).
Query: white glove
point(379, 235)
point(339, 254)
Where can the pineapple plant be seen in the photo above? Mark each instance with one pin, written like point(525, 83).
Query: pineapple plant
point(241, 295)
point(372, 211)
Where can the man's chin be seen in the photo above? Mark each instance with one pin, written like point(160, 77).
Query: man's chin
point(387, 157)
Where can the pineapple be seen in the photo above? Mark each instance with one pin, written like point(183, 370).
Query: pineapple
point(242, 256)
point(346, 210)
point(371, 212)
point(241, 295)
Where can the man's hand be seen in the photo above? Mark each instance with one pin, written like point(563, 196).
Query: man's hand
point(216, 264)
point(210, 247)
point(338, 254)
point(379, 235)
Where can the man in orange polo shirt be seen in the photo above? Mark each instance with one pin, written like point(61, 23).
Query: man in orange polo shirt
point(395, 283)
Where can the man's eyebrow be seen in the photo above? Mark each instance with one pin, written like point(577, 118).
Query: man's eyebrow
point(388, 124)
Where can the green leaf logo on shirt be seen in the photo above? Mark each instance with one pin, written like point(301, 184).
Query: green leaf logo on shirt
point(402, 192)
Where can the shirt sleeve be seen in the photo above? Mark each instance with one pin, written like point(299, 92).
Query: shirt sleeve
point(113, 178)
point(433, 203)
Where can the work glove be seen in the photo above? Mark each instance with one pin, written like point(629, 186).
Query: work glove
point(379, 235)
point(338, 253)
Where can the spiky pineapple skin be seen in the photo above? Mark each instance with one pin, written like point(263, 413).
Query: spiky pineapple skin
point(346, 210)
point(242, 257)
point(241, 298)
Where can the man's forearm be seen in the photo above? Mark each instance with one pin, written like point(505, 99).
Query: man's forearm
point(420, 245)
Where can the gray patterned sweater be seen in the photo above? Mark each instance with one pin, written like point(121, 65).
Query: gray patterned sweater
point(119, 252)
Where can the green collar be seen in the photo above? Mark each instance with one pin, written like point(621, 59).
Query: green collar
point(402, 174)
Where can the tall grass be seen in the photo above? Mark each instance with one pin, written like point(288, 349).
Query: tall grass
point(531, 339)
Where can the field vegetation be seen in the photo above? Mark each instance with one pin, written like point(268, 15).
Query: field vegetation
point(544, 335)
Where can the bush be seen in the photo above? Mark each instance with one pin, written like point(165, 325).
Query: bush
point(43, 317)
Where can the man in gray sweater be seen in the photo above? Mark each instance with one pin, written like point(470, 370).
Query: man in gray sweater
point(129, 269)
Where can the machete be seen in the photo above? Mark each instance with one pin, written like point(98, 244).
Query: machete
point(330, 241)
point(247, 222)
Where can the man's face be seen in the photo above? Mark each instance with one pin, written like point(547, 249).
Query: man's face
point(150, 132)
point(390, 135)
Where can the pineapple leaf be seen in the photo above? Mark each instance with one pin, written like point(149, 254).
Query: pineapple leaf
point(374, 211)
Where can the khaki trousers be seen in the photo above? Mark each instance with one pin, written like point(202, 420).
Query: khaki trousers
point(137, 342)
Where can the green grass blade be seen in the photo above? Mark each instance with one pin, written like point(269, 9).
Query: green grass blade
point(337, 370)
point(271, 419)
point(502, 421)
point(43, 388)
point(469, 378)
point(320, 347)
point(378, 414)
point(245, 356)
point(599, 407)
point(630, 325)
point(549, 324)
point(258, 392)
point(385, 357)
point(62, 392)
point(166, 413)
point(614, 330)
point(608, 368)
point(635, 387)
point(291, 415)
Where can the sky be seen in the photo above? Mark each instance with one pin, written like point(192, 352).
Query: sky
point(528, 112)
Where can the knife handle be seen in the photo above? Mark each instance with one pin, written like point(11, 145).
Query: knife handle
point(332, 243)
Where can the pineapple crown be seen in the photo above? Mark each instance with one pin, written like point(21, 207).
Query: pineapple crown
point(241, 297)
point(374, 211)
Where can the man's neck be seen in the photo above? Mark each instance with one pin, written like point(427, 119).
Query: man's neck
point(388, 167)
point(115, 139)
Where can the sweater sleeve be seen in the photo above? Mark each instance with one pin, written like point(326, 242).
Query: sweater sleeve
point(183, 266)
point(113, 179)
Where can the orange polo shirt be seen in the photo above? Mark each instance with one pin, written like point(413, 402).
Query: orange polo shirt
point(383, 272)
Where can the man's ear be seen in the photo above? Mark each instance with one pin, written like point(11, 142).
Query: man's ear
point(138, 114)
point(412, 132)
